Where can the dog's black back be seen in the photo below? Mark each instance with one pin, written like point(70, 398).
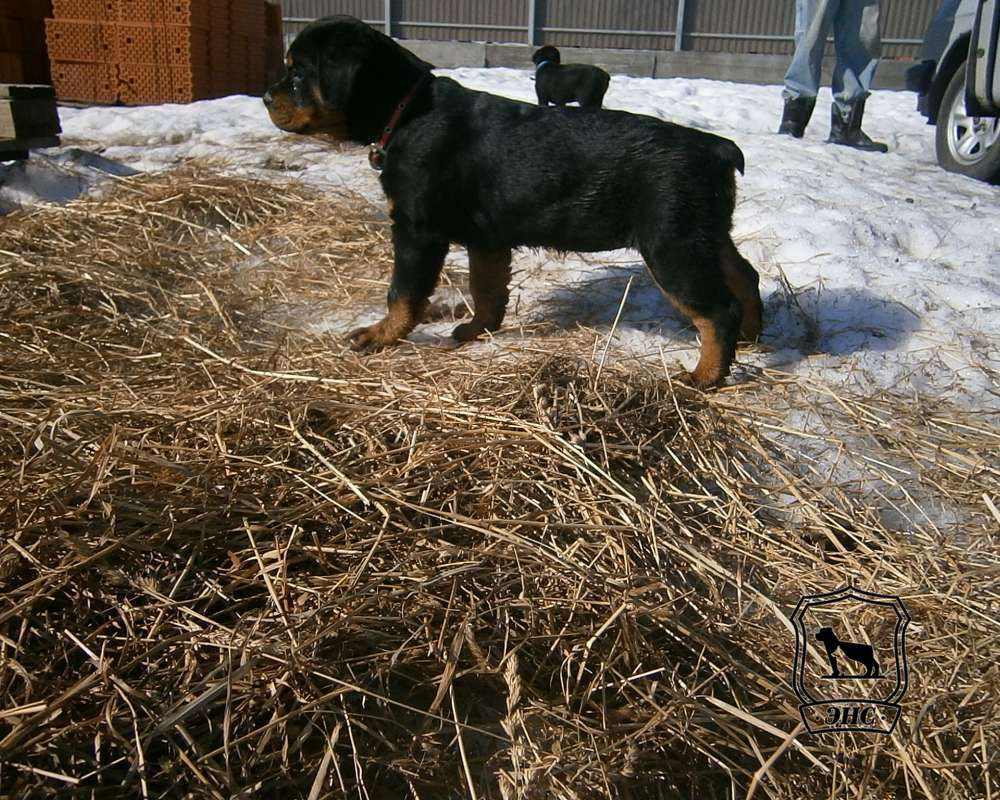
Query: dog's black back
point(558, 84)
point(543, 177)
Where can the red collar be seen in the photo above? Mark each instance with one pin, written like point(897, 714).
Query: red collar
point(376, 151)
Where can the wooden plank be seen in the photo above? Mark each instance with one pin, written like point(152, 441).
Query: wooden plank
point(17, 149)
point(20, 119)
point(27, 91)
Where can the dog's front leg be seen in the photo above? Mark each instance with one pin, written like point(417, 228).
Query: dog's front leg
point(489, 275)
point(417, 262)
point(834, 669)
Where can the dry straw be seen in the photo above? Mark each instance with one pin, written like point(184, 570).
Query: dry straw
point(241, 561)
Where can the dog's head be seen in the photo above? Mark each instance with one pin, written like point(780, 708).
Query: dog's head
point(547, 53)
point(342, 78)
point(826, 635)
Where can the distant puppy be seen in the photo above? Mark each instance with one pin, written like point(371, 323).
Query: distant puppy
point(493, 174)
point(560, 84)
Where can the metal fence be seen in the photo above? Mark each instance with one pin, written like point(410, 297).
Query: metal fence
point(727, 26)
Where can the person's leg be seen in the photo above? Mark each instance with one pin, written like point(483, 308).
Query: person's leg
point(812, 26)
point(858, 45)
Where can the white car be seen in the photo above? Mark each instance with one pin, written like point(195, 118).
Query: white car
point(958, 86)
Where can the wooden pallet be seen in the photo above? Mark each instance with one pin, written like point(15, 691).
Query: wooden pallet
point(28, 119)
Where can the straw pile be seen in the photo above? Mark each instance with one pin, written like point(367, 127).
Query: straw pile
point(238, 560)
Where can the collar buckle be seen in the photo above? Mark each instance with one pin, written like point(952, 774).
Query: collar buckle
point(376, 156)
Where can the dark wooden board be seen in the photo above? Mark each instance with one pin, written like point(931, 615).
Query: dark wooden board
point(17, 149)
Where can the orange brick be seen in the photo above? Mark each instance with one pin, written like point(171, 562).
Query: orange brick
point(182, 45)
point(143, 84)
point(84, 9)
point(193, 13)
point(84, 82)
point(135, 43)
point(190, 85)
point(79, 40)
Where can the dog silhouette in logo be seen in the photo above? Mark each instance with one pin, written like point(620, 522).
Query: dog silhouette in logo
point(863, 654)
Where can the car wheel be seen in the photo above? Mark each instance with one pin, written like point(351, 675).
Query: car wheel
point(967, 145)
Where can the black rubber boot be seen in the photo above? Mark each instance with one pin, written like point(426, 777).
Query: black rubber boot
point(796, 116)
point(846, 129)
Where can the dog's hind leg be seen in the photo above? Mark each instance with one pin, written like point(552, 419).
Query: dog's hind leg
point(417, 265)
point(743, 281)
point(690, 275)
point(489, 276)
point(594, 96)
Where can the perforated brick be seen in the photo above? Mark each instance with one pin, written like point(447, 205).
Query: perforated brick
point(79, 40)
point(188, 86)
point(218, 16)
point(136, 43)
point(192, 13)
point(221, 83)
point(143, 84)
point(84, 9)
point(182, 45)
point(138, 10)
point(247, 18)
point(88, 83)
point(218, 60)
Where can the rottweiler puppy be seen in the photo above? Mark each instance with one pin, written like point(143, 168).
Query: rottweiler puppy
point(559, 84)
point(493, 174)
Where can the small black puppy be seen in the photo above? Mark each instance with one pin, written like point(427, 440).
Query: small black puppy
point(560, 84)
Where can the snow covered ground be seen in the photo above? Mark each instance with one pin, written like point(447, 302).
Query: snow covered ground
point(877, 270)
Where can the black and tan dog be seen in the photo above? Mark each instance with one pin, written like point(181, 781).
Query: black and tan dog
point(493, 174)
point(559, 83)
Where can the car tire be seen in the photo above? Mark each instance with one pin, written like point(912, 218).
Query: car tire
point(967, 145)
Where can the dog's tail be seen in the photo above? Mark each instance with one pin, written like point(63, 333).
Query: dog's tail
point(730, 159)
point(730, 154)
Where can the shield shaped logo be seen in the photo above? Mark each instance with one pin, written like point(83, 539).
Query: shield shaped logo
point(850, 660)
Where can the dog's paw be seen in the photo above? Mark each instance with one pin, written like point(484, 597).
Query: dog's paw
point(749, 334)
point(692, 380)
point(369, 339)
point(468, 331)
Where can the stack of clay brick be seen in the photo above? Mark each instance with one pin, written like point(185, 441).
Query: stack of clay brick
point(161, 51)
point(22, 41)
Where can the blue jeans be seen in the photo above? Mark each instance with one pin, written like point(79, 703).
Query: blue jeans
point(856, 40)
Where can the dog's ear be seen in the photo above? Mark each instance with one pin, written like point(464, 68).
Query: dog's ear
point(337, 81)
